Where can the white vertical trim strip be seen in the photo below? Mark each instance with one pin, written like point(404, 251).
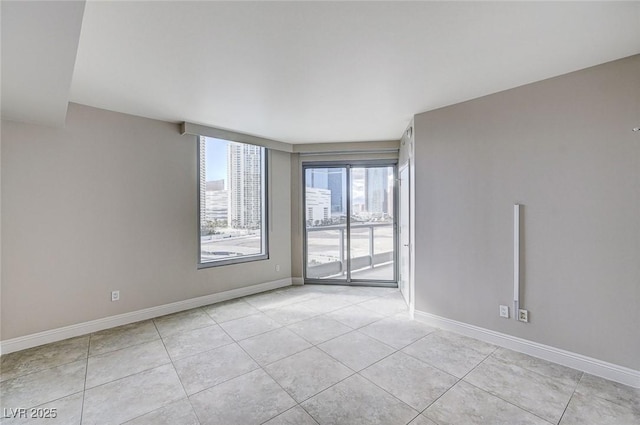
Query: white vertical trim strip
point(516, 260)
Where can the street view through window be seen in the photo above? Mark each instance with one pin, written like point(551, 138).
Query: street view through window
point(371, 239)
point(232, 200)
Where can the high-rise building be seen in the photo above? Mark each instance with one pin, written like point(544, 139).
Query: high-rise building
point(244, 176)
point(217, 201)
point(334, 180)
point(215, 185)
point(318, 203)
point(376, 196)
point(203, 179)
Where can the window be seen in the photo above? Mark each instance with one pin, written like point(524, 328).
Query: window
point(232, 182)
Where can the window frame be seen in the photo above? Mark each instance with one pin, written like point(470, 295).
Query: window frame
point(264, 225)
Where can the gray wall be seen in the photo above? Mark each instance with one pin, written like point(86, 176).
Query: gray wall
point(110, 202)
point(564, 148)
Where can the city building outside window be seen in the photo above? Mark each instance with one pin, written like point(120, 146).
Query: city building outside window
point(232, 183)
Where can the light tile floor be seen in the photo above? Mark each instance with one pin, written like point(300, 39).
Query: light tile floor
point(300, 355)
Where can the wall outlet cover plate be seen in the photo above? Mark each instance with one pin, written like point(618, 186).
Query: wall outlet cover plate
point(504, 311)
point(523, 315)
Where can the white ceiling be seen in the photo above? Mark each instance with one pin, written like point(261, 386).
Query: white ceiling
point(304, 72)
point(39, 45)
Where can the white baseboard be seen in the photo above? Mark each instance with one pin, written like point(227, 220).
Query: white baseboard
point(297, 281)
point(53, 335)
point(590, 365)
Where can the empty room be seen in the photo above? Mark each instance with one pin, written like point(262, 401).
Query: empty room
point(320, 213)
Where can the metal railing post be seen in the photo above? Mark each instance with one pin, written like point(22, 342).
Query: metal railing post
point(342, 250)
point(371, 245)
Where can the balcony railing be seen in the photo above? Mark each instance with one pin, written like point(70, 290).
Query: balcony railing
point(372, 244)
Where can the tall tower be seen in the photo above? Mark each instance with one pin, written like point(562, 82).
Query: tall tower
point(203, 179)
point(376, 185)
point(244, 174)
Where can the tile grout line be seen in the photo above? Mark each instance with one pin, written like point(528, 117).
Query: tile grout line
point(575, 389)
point(496, 395)
point(625, 406)
point(177, 374)
point(86, 372)
point(60, 365)
point(431, 364)
point(457, 382)
point(289, 409)
point(46, 368)
point(530, 371)
point(269, 375)
point(387, 392)
point(527, 369)
point(127, 346)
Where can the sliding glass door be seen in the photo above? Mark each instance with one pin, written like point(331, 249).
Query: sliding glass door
point(326, 223)
point(350, 223)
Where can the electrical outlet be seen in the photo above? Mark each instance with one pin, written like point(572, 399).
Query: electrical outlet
point(504, 311)
point(115, 295)
point(523, 316)
point(277, 267)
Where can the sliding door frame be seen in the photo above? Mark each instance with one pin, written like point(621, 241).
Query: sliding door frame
point(348, 165)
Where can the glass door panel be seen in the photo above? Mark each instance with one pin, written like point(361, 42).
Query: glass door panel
point(372, 225)
point(326, 223)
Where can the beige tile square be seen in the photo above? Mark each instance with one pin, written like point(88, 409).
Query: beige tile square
point(44, 386)
point(249, 326)
point(273, 299)
point(355, 316)
point(387, 305)
point(122, 337)
point(291, 313)
point(250, 399)
point(626, 396)
point(294, 416)
point(63, 411)
point(356, 350)
point(273, 345)
point(182, 321)
point(543, 367)
point(124, 362)
point(307, 373)
point(188, 343)
point(230, 310)
point(319, 329)
point(356, 401)
point(397, 332)
point(43, 357)
point(177, 413)
point(412, 381)
point(585, 410)
point(466, 404)
point(127, 398)
point(453, 353)
point(422, 420)
point(326, 303)
point(204, 370)
point(543, 396)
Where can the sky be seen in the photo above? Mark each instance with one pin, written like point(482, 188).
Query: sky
point(216, 157)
